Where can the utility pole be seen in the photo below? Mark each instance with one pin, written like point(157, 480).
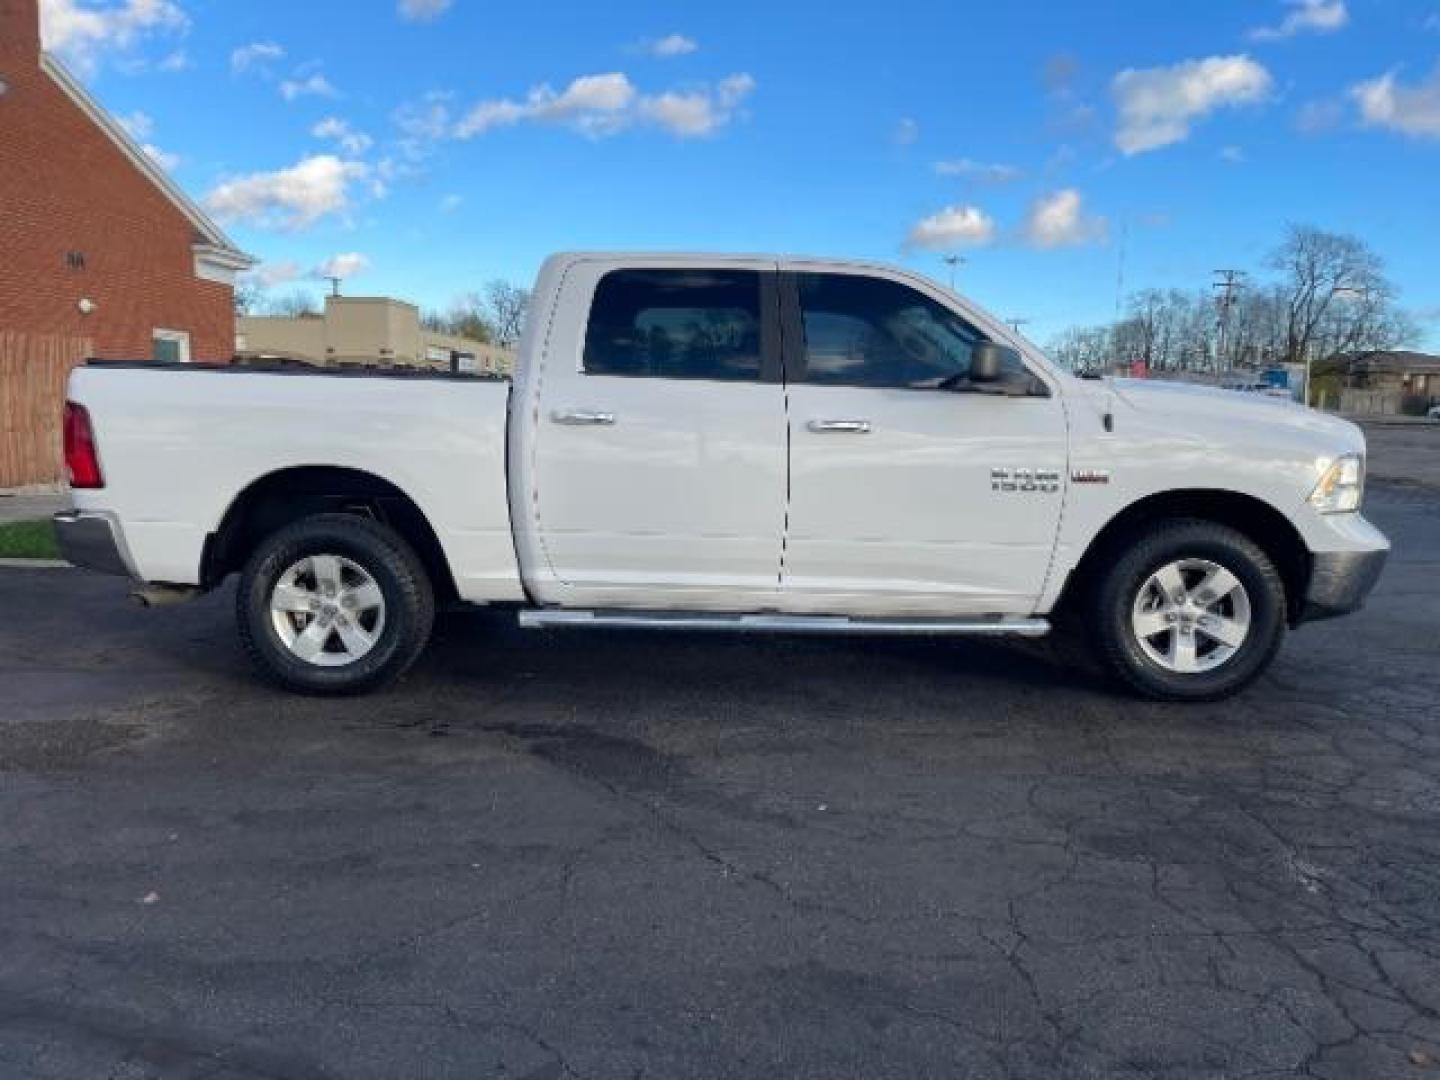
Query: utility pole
point(953, 261)
point(1230, 282)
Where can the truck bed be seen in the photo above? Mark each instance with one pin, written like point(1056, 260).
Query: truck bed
point(179, 443)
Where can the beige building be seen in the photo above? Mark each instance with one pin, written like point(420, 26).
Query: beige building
point(359, 331)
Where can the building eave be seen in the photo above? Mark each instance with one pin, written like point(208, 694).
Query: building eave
point(213, 237)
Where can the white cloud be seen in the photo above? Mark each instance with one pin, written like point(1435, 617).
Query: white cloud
point(450, 203)
point(600, 105)
point(1315, 117)
point(952, 227)
point(83, 35)
point(258, 54)
point(1234, 155)
point(1410, 110)
point(351, 141)
point(669, 45)
point(179, 60)
point(291, 198)
point(426, 120)
point(268, 275)
point(313, 85)
point(423, 10)
point(1058, 220)
point(138, 125)
point(697, 113)
point(906, 131)
point(166, 160)
point(1158, 105)
point(985, 172)
point(594, 104)
point(1305, 17)
point(343, 266)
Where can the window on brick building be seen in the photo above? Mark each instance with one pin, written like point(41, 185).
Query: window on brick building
point(170, 346)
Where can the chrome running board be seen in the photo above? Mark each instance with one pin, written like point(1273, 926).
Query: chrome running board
point(543, 618)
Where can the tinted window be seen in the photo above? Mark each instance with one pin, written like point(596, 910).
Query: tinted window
point(862, 331)
point(675, 324)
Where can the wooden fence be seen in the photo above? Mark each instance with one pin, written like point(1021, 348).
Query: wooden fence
point(33, 368)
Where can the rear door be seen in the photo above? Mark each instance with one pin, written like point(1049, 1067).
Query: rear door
point(659, 478)
point(909, 495)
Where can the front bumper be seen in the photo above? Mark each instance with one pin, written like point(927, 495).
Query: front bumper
point(92, 540)
point(1340, 581)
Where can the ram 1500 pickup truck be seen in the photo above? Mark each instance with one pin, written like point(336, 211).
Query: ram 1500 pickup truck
point(756, 444)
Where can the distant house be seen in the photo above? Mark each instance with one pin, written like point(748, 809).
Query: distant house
point(1388, 382)
point(101, 254)
point(364, 331)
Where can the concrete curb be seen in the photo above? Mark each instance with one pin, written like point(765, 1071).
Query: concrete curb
point(35, 564)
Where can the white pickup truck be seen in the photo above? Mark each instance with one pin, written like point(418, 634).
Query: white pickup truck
point(756, 444)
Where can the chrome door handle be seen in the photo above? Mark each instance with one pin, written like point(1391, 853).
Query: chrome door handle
point(842, 427)
point(582, 418)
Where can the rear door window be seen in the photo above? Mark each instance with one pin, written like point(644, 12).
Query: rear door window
point(676, 324)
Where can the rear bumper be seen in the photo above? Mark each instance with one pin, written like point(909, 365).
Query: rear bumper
point(92, 540)
point(1340, 581)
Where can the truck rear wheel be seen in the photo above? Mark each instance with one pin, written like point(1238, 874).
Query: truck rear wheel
point(1191, 611)
point(334, 604)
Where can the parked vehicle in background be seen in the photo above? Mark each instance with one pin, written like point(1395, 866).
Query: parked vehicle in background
point(756, 444)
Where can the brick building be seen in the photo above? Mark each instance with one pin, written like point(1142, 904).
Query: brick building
point(97, 243)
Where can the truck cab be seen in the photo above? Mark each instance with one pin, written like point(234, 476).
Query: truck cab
point(778, 436)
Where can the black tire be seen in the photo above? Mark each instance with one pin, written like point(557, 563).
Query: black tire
point(1112, 600)
point(408, 611)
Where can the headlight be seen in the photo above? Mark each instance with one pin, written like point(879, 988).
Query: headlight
point(1341, 486)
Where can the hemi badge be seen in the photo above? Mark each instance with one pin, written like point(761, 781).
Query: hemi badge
point(1091, 476)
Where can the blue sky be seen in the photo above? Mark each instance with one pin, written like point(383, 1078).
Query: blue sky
point(433, 145)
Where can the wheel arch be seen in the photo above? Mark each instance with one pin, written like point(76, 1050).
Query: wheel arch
point(278, 498)
point(1258, 520)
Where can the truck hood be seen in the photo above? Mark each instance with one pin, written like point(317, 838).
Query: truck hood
point(1201, 407)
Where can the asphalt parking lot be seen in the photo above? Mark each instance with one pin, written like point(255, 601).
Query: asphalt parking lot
point(643, 855)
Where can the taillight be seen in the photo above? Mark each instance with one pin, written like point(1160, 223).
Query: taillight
point(82, 461)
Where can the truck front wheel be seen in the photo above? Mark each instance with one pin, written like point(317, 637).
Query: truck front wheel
point(334, 604)
point(1191, 611)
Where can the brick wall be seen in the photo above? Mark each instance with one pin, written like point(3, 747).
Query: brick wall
point(66, 187)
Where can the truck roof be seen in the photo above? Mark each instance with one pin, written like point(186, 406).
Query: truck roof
point(703, 257)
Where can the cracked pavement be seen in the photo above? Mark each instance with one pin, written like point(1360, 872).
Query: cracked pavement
point(587, 854)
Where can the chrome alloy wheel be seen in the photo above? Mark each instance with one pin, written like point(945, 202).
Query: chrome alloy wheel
point(1191, 616)
point(327, 610)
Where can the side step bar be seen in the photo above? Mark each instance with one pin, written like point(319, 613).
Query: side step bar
point(543, 618)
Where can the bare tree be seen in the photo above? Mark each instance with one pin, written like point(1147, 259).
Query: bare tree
point(468, 318)
point(1317, 268)
point(506, 304)
point(1083, 349)
point(249, 296)
point(293, 305)
point(1331, 297)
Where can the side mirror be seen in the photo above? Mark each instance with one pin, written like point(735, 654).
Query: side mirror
point(989, 362)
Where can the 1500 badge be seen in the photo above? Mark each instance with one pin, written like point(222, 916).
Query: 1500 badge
point(1045, 480)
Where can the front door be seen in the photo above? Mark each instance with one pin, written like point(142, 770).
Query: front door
point(660, 453)
point(911, 491)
